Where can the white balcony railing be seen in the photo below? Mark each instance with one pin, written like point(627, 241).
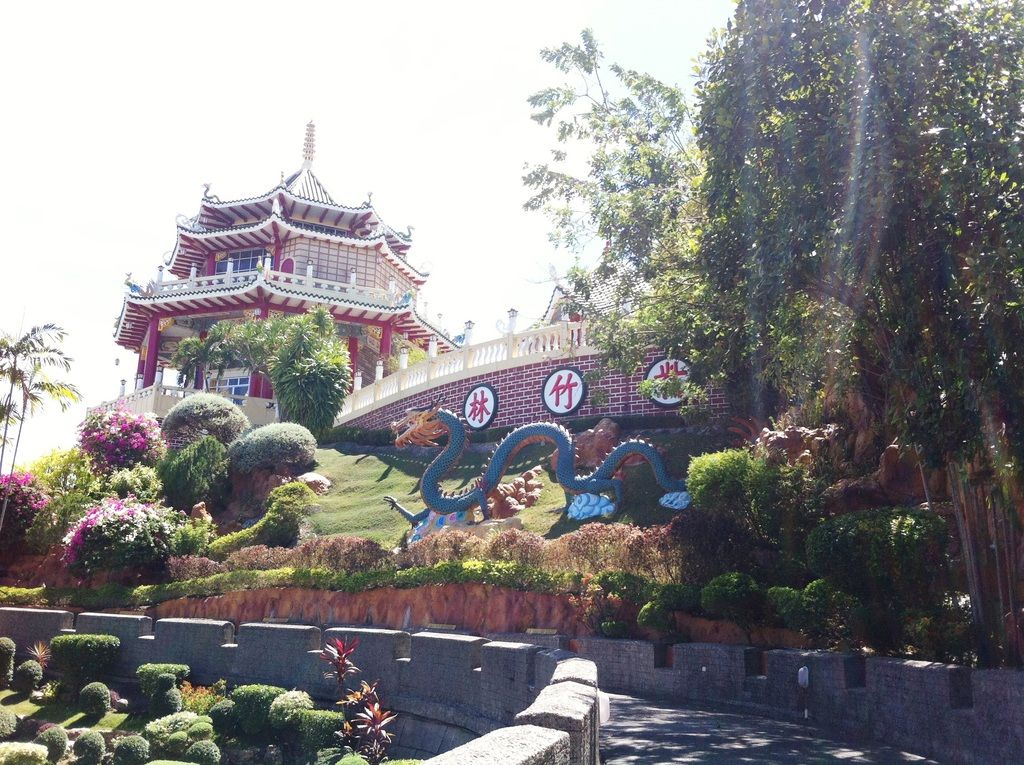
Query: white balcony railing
point(556, 341)
point(306, 282)
point(158, 400)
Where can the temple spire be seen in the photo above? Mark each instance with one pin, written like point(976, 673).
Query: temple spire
point(309, 145)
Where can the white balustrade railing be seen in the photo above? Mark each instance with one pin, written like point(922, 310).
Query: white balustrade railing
point(511, 350)
point(310, 283)
point(158, 400)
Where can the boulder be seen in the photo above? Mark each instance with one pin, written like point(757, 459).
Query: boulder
point(200, 513)
point(319, 484)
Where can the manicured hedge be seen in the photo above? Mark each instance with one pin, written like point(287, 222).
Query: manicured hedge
point(252, 706)
point(514, 576)
point(286, 507)
point(149, 675)
point(283, 446)
point(82, 659)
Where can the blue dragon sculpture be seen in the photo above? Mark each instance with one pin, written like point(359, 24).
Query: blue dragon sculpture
point(423, 426)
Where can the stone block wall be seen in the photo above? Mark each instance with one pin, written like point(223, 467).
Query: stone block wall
point(951, 713)
point(480, 687)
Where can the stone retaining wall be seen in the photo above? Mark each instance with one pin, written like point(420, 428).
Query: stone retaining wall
point(951, 713)
point(503, 690)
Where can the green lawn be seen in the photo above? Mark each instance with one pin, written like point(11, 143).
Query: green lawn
point(354, 505)
point(67, 716)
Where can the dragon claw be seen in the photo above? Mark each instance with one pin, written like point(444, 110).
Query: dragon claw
point(586, 506)
point(676, 500)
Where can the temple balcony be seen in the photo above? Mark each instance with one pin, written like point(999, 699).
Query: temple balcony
point(158, 400)
point(563, 341)
point(307, 282)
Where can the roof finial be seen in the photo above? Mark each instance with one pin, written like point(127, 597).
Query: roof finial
point(309, 145)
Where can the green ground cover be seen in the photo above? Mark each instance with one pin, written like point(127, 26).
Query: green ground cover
point(354, 506)
point(68, 716)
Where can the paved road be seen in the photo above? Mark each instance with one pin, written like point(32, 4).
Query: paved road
point(643, 732)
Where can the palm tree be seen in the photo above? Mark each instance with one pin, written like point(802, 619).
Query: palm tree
point(35, 388)
point(19, 356)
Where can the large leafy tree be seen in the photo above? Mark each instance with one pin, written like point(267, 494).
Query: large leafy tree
point(860, 245)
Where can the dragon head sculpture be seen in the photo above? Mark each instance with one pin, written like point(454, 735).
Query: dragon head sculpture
point(419, 427)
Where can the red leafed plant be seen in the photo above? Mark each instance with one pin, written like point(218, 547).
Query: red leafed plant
point(337, 652)
point(370, 726)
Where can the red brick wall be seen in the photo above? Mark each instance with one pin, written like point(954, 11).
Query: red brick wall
point(519, 399)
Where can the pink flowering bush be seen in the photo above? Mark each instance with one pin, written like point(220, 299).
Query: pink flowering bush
point(119, 534)
point(24, 501)
point(120, 439)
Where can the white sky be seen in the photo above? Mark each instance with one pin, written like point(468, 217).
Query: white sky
point(116, 113)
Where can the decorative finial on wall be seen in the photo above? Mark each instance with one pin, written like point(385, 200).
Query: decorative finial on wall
point(309, 145)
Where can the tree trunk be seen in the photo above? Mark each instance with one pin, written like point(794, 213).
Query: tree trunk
point(987, 514)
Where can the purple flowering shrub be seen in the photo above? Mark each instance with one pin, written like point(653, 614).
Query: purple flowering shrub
point(24, 501)
point(120, 439)
point(119, 534)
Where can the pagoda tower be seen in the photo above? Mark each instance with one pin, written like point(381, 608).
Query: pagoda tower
point(284, 251)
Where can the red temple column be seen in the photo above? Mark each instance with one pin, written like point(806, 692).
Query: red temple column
point(353, 358)
point(152, 352)
point(385, 341)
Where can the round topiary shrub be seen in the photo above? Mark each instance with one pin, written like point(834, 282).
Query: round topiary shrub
point(284, 710)
point(282, 446)
point(159, 731)
point(27, 676)
point(131, 750)
point(655, 616)
point(8, 724)
point(225, 722)
point(89, 748)
point(166, 702)
point(734, 596)
point(177, 743)
point(317, 728)
point(23, 754)
point(204, 414)
point(201, 731)
point(55, 740)
point(94, 699)
point(148, 675)
point(7, 650)
point(203, 753)
point(252, 706)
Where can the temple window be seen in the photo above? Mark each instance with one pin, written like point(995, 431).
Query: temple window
point(242, 260)
point(233, 386)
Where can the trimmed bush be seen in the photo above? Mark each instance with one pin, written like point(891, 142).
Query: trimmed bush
point(139, 481)
point(317, 728)
point(285, 708)
point(7, 651)
point(94, 699)
point(149, 676)
point(166, 702)
point(23, 754)
point(131, 750)
point(286, 507)
point(252, 706)
point(284, 446)
point(8, 723)
point(80, 659)
point(203, 753)
point(89, 748)
point(204, 414)
point(27, 676)
point(734, 596)
point(200, 731)
point(225, 722)
point(55, 740)
point(197, 473)
point(160, 732)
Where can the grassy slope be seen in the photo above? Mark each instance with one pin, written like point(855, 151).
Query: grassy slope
point(355, 506)
point(67, 716)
